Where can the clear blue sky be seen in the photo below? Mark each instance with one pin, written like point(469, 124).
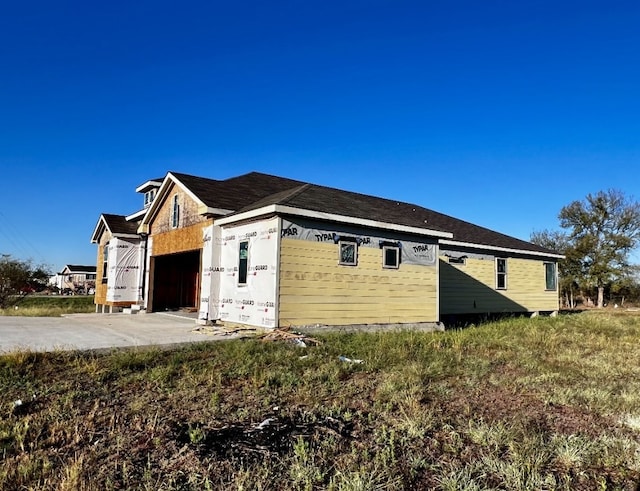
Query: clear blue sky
point(496, 112)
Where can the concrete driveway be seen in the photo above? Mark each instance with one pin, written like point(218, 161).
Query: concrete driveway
point(100, 331)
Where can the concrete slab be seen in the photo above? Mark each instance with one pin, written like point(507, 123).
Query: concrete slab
point(101, 331)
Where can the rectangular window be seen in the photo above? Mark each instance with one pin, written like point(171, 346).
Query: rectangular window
point(175, 212)
point(390, 257)
point(243, 262)
point(501, 273)
point(148, 197)
point(348, 253)
point(550, 277)
point(105, 262)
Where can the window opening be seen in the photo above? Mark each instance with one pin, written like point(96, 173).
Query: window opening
point(501, 273)
point(105, 262)
point(243, 262)
point(175, 212)
point(348, 252)
point(550, 276)
point(391, 257)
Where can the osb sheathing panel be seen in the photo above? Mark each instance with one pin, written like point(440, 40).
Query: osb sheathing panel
point(188, 215)
point(179, 240)
point(101, 288)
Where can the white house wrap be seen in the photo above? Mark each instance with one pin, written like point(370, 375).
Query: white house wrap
point(248, 267)
point(123, 271)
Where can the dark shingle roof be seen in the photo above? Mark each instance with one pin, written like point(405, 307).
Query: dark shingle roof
point(236, 192)
point(336, 201)
point(256, 190)
point(118, 224)
point(81, 269)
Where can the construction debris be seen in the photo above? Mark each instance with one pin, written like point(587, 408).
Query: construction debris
point(221, 330)
point(283, 334)
point(349, 360)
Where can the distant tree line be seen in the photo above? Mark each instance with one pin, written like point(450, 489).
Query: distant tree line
point(19, 278)
point(597, 238)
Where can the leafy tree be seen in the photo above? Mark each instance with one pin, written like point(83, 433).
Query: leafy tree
point(603, 229)
point(627, 287)
point(569, 268)
point(18, 279)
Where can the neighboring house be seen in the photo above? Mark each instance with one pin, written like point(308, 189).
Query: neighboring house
point(75, 278)
point(269, 251)
point(122, 268)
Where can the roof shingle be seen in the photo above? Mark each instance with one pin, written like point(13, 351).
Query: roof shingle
point(118, 224)
point(255, 190)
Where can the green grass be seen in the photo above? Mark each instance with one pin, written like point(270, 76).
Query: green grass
point(51, 306)
point(546, 403)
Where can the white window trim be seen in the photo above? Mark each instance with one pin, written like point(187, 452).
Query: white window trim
point(506, 273)
point(148, 197)
point(385, 248)
point(555, 279)
point(174, 216)
point(105, 263)
point(355, 252)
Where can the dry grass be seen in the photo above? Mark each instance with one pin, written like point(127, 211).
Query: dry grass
point(51, 306)
point(518, 404)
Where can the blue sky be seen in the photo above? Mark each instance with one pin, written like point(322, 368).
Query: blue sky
point(496, 112)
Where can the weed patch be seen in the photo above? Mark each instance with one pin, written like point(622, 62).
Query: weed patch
point(517, 404)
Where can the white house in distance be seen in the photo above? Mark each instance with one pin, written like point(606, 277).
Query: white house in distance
point(75, 277)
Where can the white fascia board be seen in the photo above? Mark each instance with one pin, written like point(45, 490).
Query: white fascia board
point(247, 215)
point(148, 184)
point(97, 231)
point(288, 210)
point(499, 249)
point(135, 215)
point(207, 210)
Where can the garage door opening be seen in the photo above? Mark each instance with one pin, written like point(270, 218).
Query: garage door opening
point(176, 281)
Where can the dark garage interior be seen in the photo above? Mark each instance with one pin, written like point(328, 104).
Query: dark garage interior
point(176, 281)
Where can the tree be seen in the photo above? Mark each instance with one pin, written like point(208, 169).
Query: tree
point(18, 279)
point(569, 268)
point(603, 229)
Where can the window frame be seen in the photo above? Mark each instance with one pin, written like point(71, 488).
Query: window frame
point(346, 241)
point(396, 249)
point(243, 263)
point(105, 263)
point(148, 197)
point(174, 219)
point(554, 277)
point(503, 274)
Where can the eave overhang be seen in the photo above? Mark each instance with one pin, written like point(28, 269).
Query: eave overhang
point(331, 217)
point(500, 249)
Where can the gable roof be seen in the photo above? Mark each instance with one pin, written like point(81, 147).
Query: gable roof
point(75, 268)
point(236, 192)
point(219, 197)
point(150, 184)
point(117, 225)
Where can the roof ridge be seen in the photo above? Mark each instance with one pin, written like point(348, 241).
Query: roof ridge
point(297, 191)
